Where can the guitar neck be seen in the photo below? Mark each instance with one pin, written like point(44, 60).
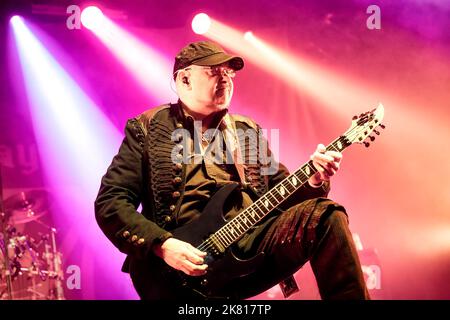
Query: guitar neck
point(239, 225)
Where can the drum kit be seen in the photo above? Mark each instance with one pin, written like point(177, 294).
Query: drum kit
point(30, 266)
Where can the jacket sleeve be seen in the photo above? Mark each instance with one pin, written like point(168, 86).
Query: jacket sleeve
point(120, 194)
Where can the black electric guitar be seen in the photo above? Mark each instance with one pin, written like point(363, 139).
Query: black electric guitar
point(213, 234)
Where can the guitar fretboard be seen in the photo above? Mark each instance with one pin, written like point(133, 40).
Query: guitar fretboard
point(239, 225)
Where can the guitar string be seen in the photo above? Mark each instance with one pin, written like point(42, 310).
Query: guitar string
point(209, 243)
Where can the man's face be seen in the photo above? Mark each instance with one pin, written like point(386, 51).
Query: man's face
point(212, 86)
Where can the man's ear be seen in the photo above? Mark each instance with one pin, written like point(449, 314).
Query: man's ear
point(184, 77)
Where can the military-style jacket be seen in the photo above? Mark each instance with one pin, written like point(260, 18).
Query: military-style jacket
point(143, 172)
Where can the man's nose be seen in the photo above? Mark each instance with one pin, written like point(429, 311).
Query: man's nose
point(224, 79)
point(223, 76)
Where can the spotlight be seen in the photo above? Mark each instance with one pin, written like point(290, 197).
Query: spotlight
point(91, 17)
point(15, 19)
point(201, 23)
point(248, 35)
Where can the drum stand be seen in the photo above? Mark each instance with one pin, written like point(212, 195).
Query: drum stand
point(53, 258)
point(3, 221)
point(4, 248)
point(22, 259)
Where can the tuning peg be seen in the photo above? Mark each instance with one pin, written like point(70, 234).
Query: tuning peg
point(382, 126)
point(376, 132)
point(366, 144)
point(372, 138)
point(355, 117)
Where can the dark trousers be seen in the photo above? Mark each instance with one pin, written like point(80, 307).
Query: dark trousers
point(317, 231)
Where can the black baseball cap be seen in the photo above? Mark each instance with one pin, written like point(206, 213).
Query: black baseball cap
point(205, 53)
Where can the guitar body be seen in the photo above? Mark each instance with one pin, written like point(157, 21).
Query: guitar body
point(222, 267)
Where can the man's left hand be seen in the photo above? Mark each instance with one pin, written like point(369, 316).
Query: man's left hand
point(327, 164)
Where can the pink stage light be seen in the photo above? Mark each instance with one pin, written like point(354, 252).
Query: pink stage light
point(300, 73)
point(92, 17)
point(201, 23)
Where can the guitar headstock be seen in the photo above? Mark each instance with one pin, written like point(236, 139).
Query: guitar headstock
point(364, 124)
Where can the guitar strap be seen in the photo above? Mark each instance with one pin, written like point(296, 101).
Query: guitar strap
point(289, 285)
point(234, 147)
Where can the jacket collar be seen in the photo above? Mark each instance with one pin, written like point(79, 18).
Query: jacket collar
point(188, 120)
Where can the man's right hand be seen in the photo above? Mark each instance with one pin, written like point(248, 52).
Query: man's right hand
point(182, 256)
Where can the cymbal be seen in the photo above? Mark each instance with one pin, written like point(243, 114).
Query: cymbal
point(27, 206)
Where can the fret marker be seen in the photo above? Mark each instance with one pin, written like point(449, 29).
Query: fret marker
point(339, 144)
point(294, 181)
point(307, 170)
point(232, 230)
point(266, 203)
point(282, 191)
